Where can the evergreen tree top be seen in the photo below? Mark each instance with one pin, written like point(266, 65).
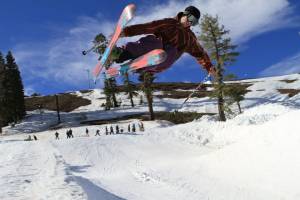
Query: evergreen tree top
point(2, 61)
point(10, 61)
point(216, 40)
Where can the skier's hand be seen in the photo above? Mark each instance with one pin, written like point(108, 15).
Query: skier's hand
point(212, 72)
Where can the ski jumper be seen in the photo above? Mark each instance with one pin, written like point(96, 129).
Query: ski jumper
point(167, 34)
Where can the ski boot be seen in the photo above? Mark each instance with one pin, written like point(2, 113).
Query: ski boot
point(120, 55)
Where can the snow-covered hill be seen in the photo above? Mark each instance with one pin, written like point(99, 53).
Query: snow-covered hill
point(254, 155)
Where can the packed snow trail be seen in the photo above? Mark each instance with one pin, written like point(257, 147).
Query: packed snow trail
point(35, 170)
point(254, 156)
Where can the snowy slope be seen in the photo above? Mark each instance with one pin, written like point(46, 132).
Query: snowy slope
point(252, 156)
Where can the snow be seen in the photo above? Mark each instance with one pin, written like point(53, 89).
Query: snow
point(252, 156)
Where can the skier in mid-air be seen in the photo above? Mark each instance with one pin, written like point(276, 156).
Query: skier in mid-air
point(173, 35)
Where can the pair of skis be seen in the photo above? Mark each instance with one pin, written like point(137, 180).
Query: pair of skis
point(152, 58)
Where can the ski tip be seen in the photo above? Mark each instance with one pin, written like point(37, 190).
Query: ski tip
point(131, 6)
point(130, 10)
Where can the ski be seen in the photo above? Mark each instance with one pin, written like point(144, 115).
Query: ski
point(126, 16)
point(152, 58)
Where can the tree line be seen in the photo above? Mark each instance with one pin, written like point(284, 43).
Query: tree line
point(12, 104)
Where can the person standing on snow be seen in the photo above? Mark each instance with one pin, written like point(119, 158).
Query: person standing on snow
point(97, 132)
point(141, 126)
point(117, 129)
point(106, 130)
point(171, 34)
point(128, 128)
point(56, 135)
point(87, 132)
point(133, 127)
point(68, 134)
point(111, 130)
point(71, 133)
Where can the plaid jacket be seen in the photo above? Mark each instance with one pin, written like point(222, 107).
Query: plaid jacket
point(171, 32)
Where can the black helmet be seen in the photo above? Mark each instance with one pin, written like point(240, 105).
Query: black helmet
point(192, 10)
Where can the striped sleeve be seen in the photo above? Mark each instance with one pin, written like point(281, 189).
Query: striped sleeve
point(147, 28)
point(197, 51)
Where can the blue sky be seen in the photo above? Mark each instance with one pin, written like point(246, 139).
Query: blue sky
point(47, 37)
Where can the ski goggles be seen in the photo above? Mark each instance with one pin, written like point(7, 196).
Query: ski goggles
point(191, 18)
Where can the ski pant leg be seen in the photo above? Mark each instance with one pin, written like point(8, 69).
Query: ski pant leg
point(143, 45)
point(148, 43)
point(172, 56)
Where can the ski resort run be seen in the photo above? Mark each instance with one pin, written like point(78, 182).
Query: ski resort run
point(251, 156)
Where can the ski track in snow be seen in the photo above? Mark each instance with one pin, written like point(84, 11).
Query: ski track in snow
point(35, 171)
point(253, 156)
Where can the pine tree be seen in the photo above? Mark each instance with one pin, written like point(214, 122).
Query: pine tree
point(2, 71)
point(113, 89)
point(107, 92)
point(230, 77)
point(14, 102)
point(236, 94)
point(218, 44)
point(110, 84)
point(147, 79)
point(129, 89)
point(101, 42)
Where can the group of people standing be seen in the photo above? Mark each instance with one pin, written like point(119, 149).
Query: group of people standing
point(131, 128)
point(29, 138)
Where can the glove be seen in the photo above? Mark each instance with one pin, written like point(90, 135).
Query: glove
point(212, 71)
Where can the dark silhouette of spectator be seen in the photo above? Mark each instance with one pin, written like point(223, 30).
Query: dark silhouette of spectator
point(34, 137)
point(28, 139)
point(111, 130)
point(117, 129)
point(71, 133)
point(141, 126)
point(56, 135)
point(106, 130)
point(97, 132)
point(87, 132)
point(122, 130)
point(68, 133)
point(133, 127)
point(128, 128)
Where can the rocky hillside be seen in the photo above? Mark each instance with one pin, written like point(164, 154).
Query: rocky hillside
point(172, 90)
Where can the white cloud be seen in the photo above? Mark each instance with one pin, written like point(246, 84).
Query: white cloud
point(29, 91)
point(60, 59)
point(244, 18)
point(288, 66)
